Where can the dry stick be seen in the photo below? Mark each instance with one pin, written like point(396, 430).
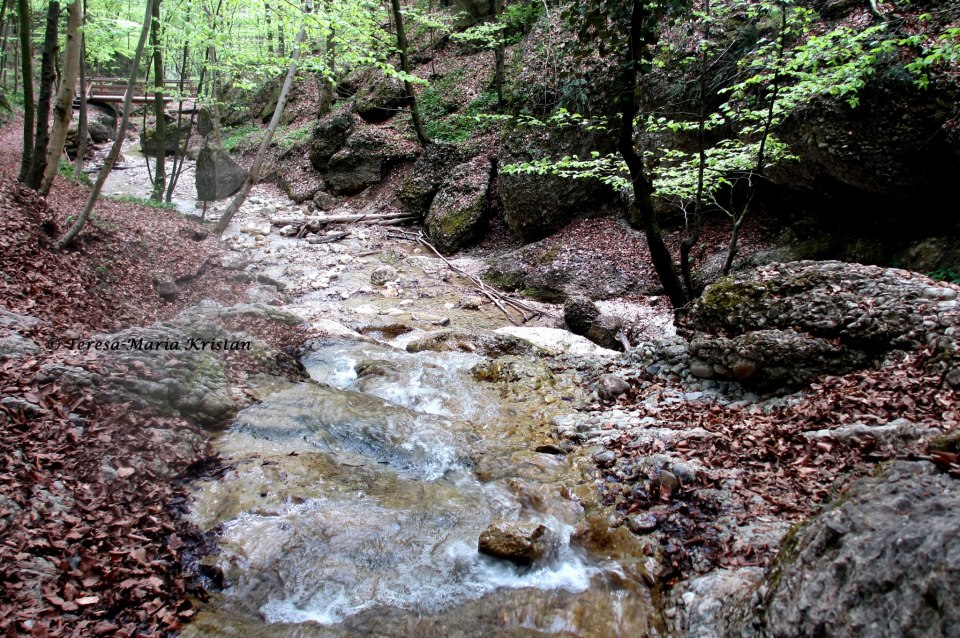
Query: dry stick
point(497, 298)
point(71, 234)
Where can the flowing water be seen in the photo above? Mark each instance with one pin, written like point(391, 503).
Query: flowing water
point(352, 504)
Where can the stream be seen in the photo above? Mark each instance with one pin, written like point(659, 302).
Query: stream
point(352, 504)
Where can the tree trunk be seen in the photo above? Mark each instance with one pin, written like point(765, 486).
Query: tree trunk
point(159, 107)
point(642, 186)
point(178, 157)
point(63, 111)
point(498, 56)
point(114, 153)
point(83, 131)
point(693, 229)
point(405, 66)
point(48, 74)
point(26, 62)
point(241, 196)
point(761, 149)
point(5, 28)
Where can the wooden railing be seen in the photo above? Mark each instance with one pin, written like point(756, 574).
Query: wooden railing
point(103, 89)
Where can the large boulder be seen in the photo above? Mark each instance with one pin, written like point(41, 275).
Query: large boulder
point(545, 271)
point(427, 175)
point(458, 211)
point(176, 367)
point(380, 98)
point(364, 161)
point(883, 561)
point(329, 136)
point(536, 205)
point(218, 175)
point(893, 145)
point(790, 323)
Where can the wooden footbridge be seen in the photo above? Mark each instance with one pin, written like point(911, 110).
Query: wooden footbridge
point(110, 91)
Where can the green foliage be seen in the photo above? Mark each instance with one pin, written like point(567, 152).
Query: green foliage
point(945, 274)
point(934, 52)
point(243, 138)
point(142, 201)
point(65, 168)
point(287, 137)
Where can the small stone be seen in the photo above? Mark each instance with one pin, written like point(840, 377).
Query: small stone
point(701, 370)
point(382, 275)
point(289, 230)
point(166, 286)
point(471, 302)
point(610, 386)
point(604, 458)
point(642, 523)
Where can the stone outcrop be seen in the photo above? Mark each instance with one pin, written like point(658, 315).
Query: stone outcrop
point(427, 175)
point(457, 213)
point(364, 160)
point(329, 136)
point(883, 561)
point(380, 98)
point(536, 205)
point(791, 323)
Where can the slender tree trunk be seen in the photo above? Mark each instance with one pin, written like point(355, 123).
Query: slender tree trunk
point(269, 30)
point(159, 108)
point(762, 147)
point(405, 65)
point(48, 75)
point(241, 196)
point(177, 155)
point(5, 28)
point(498, 55)
point(114, 153)
point(644, 211)
point(83, 129)
point(693, 230)
point(26, 62)
point(63, 110)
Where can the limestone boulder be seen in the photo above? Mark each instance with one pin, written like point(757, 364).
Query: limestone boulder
point(380, 98)
point(364, 160)
point(329, 136)
point(487, 344)
point(534, 206)
point(791, 323)
point(427, 175)
point(218, 175)
point(883, 561)
point(456, 216)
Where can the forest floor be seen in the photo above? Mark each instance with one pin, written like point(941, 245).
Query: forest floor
point(82, 555)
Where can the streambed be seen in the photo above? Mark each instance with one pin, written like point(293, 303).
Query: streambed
point(352, 503)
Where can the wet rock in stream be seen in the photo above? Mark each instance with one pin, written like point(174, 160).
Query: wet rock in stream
point(520, 543)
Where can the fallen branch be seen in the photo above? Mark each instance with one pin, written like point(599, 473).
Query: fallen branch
point(321, 220)
point(499, 299)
